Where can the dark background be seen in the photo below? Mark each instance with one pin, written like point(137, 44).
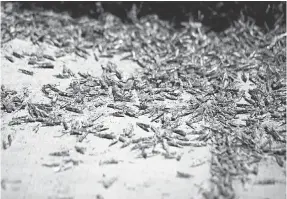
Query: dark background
point(217, 15)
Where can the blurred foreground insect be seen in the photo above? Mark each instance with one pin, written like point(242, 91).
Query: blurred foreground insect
point(49, 57)
point(26, 72)
point(143, 126)
point(9, 58)
point(243, 77)
point(183, 175)
point(15, 54)
point(46, 65)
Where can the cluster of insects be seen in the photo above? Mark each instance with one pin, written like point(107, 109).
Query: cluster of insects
point(188, 77)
